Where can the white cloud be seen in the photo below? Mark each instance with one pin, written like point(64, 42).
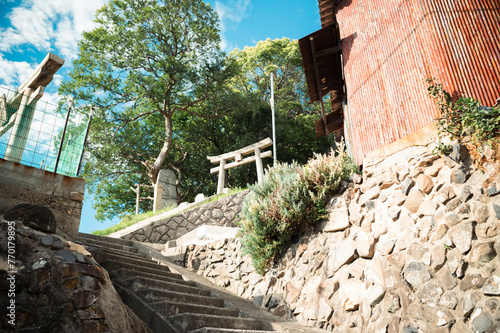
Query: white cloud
point(47, 26)
point(230, 14)
point(13, 73)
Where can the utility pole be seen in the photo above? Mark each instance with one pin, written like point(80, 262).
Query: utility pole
point(274, 123)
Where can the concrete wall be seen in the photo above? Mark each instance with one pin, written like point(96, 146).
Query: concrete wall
point(63, 195)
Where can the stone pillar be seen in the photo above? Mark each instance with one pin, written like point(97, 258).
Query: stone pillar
point(222, 176)
point(165, 190)
point(260, 168)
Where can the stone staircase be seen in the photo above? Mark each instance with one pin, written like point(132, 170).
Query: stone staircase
point(164, 300)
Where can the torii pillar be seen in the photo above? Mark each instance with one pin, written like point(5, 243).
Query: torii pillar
point(30, 91)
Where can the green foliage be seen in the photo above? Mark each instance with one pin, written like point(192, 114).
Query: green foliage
point(145, 62)
point(464, 115)
point(245, 118)
point(289, 201)
point(324, 173)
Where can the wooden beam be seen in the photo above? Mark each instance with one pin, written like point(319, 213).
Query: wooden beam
point(329, 51)
point(318, 82)
point(243, 161)
point(243, 151)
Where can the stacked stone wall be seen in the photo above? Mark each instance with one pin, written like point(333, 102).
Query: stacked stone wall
point(411, 247)
point(223, 212)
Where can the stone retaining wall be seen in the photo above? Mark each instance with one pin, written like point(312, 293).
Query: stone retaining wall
point(223, 212)
point(412, 248)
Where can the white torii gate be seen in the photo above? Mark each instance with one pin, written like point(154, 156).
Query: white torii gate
point(24, 102)
point(239, 160)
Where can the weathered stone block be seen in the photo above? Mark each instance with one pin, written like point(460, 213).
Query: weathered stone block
point(461, 236)
point(33, 216)
point(425, 183)
point(343, 254)
point(338, 220)
point(407, 186)
point(416, 274)
point(481, 254)
point(492, 286)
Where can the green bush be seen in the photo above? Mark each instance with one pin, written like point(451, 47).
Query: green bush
point(464, 115)
point(289, 200)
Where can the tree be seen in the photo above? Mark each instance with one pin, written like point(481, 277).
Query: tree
point(247, 117)
point(295, 116)
point(146, 61)
point(282, 58)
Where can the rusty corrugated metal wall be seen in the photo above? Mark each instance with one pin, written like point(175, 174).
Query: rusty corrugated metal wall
point(391, 46)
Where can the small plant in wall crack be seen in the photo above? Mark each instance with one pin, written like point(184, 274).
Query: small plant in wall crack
point(462, 118)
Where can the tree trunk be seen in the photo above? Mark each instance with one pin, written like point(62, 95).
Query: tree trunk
point(162, 156)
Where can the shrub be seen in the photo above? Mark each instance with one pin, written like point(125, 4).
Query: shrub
point(464, 115)
point(324, 173)
point(289, 200)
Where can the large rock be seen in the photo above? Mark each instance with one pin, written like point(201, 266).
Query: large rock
point(365, 245)
point(60, 288)
point(492, 286)
point(481, 254)
point(351, 294)
point(33, 216)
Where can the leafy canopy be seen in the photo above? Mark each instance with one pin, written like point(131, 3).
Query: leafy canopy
point(145, 61)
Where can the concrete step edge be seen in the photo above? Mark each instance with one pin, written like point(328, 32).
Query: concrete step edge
point(226, 330)
point(113, 264)
point(123, 274)
point(104, 238)
point(111, 246)
point(191, 307)
point(149, 293)
point(193, 321)
point(155, 321)
point(157, 284)
point(135, 261)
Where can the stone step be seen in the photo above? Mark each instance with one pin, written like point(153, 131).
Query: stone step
point(127, 255)
point(138, 283)
point(135, 260)
point(112, 265)
point(194, 321)
point(151, 295)
point(114, 246)
point(155, 321)
point(106, 239)
point(169, 308)
point(124, 274)
point(225, 330)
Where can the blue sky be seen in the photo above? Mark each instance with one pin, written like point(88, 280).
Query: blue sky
point(29, 29)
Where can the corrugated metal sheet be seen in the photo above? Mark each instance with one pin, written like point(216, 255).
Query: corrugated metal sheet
point(391, 46)
point(326, 12)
